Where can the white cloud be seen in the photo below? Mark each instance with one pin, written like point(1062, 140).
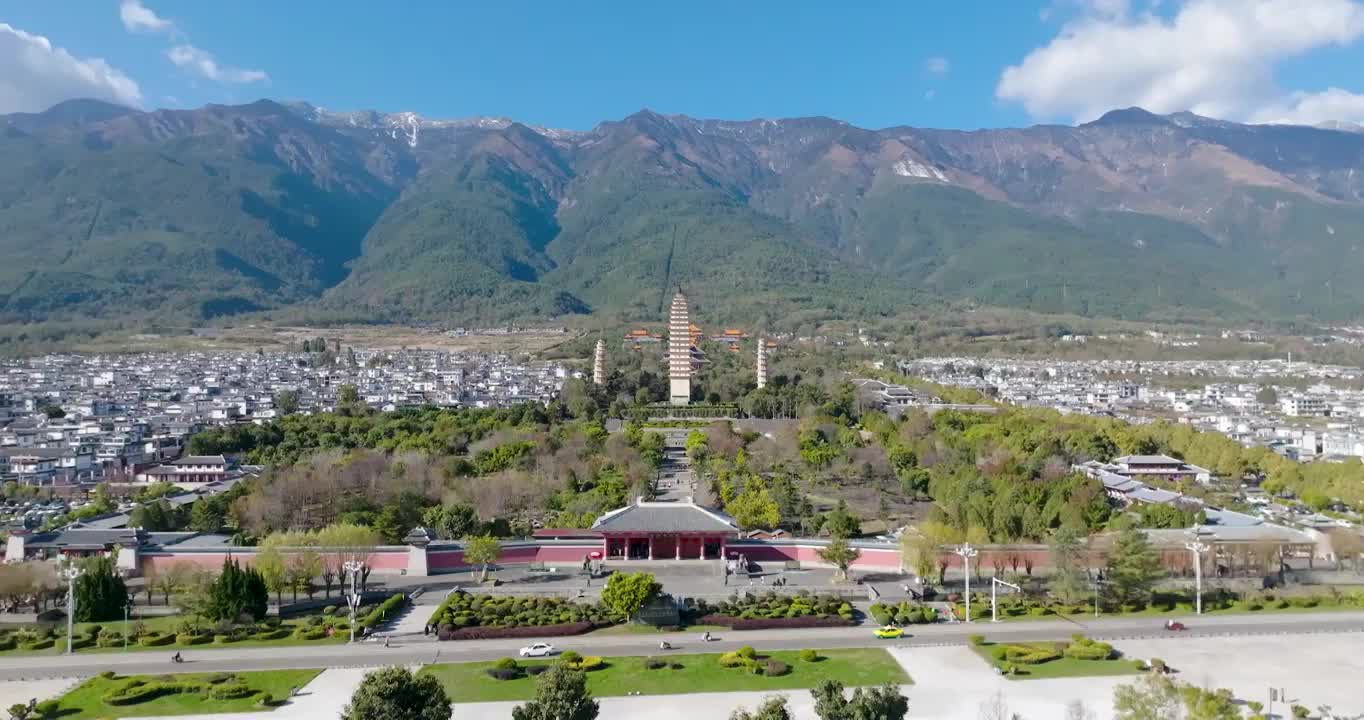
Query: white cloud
point(137, 17)
point(937, 65)
point(202, 62)
point(35, 75)
point(1214, 57)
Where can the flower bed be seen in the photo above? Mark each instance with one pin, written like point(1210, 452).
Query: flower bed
point(905, 613)
point(772, 606)
point(809, 621)
point(450, 632)
point(544, 615)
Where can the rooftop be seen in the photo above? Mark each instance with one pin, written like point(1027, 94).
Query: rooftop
point(665, 517)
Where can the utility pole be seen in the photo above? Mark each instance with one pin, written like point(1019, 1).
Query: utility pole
point(1197, 548)
point(967, 552)
point(994, 603)
point(69, 574)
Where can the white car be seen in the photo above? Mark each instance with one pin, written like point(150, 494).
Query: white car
point(538, 650)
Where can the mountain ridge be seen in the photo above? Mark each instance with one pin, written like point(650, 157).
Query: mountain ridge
point(393, 216)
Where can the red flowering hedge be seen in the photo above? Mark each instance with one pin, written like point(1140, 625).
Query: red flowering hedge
point(807, 621)
point(480, 632)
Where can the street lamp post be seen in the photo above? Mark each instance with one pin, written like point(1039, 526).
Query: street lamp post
point(69, 574)
point(127, 608)
point(994, 605)
point(967, 552)
point(1197, 548)
point(353, 567)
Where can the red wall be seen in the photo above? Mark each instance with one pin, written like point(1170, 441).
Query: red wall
point(385, 561)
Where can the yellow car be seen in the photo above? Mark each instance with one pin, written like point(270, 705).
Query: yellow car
point(888, 632)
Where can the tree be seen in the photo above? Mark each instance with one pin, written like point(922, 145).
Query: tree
point(451, 521)
point(53, 412)
point(1346, 544)
point(841, 555)
point(560, 694)
point(754, 508)
point(1152, 697)
point(842, 524)
point(208, 514)
point(773, 708)
point(100, 592)
point(236, 593)
point(173, 578)
point(879, 703)
point(270, 565)
point(919, 552)
point(347, 395)
point(1133, 567)
point(286, 402)
point(626, 593)
point(1067, 557)
point(395, 693)
point(482, 550)
point(301, 567)
point(1267, 396)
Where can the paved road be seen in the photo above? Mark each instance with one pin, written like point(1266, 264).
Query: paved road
point(420, 650)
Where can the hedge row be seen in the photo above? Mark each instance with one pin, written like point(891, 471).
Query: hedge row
point(384, 611)
point(136, 691)
point(808, 621)
point(478, 632)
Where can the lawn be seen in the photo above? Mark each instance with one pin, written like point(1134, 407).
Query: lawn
point(1062, 667)
point(158, 624)
point(467, 682)
point(85, 701)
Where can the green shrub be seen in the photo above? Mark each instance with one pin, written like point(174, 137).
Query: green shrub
point(307, 633)
point(976, 639)
point(587, 663)
point(1158, 666)
point(1030, 654)
point(36, 645)
point(230, 691)
point(329, 610)
point(747, 652)
point(220, 678)
point(655, 664)
point(155, 640)
point(275, 634)
point(222, 639)
point(47, 709)
point(507, 663)
point(730, 660)
point(184, 639)
point(1089, 651)
point(775, 668)
point(107, 675)
point(569, 657)
point(808, 655)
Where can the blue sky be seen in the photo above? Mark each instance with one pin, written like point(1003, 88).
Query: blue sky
point(961, 64)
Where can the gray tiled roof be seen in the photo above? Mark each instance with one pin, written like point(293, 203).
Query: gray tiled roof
point(665, 517)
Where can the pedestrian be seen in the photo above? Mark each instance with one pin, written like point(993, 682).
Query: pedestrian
point(386, 641)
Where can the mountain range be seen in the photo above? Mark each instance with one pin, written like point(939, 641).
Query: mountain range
point(117, 214)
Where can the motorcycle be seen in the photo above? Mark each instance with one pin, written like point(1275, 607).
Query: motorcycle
point(1174, 626)
point(176, 658)
point(665, 645)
